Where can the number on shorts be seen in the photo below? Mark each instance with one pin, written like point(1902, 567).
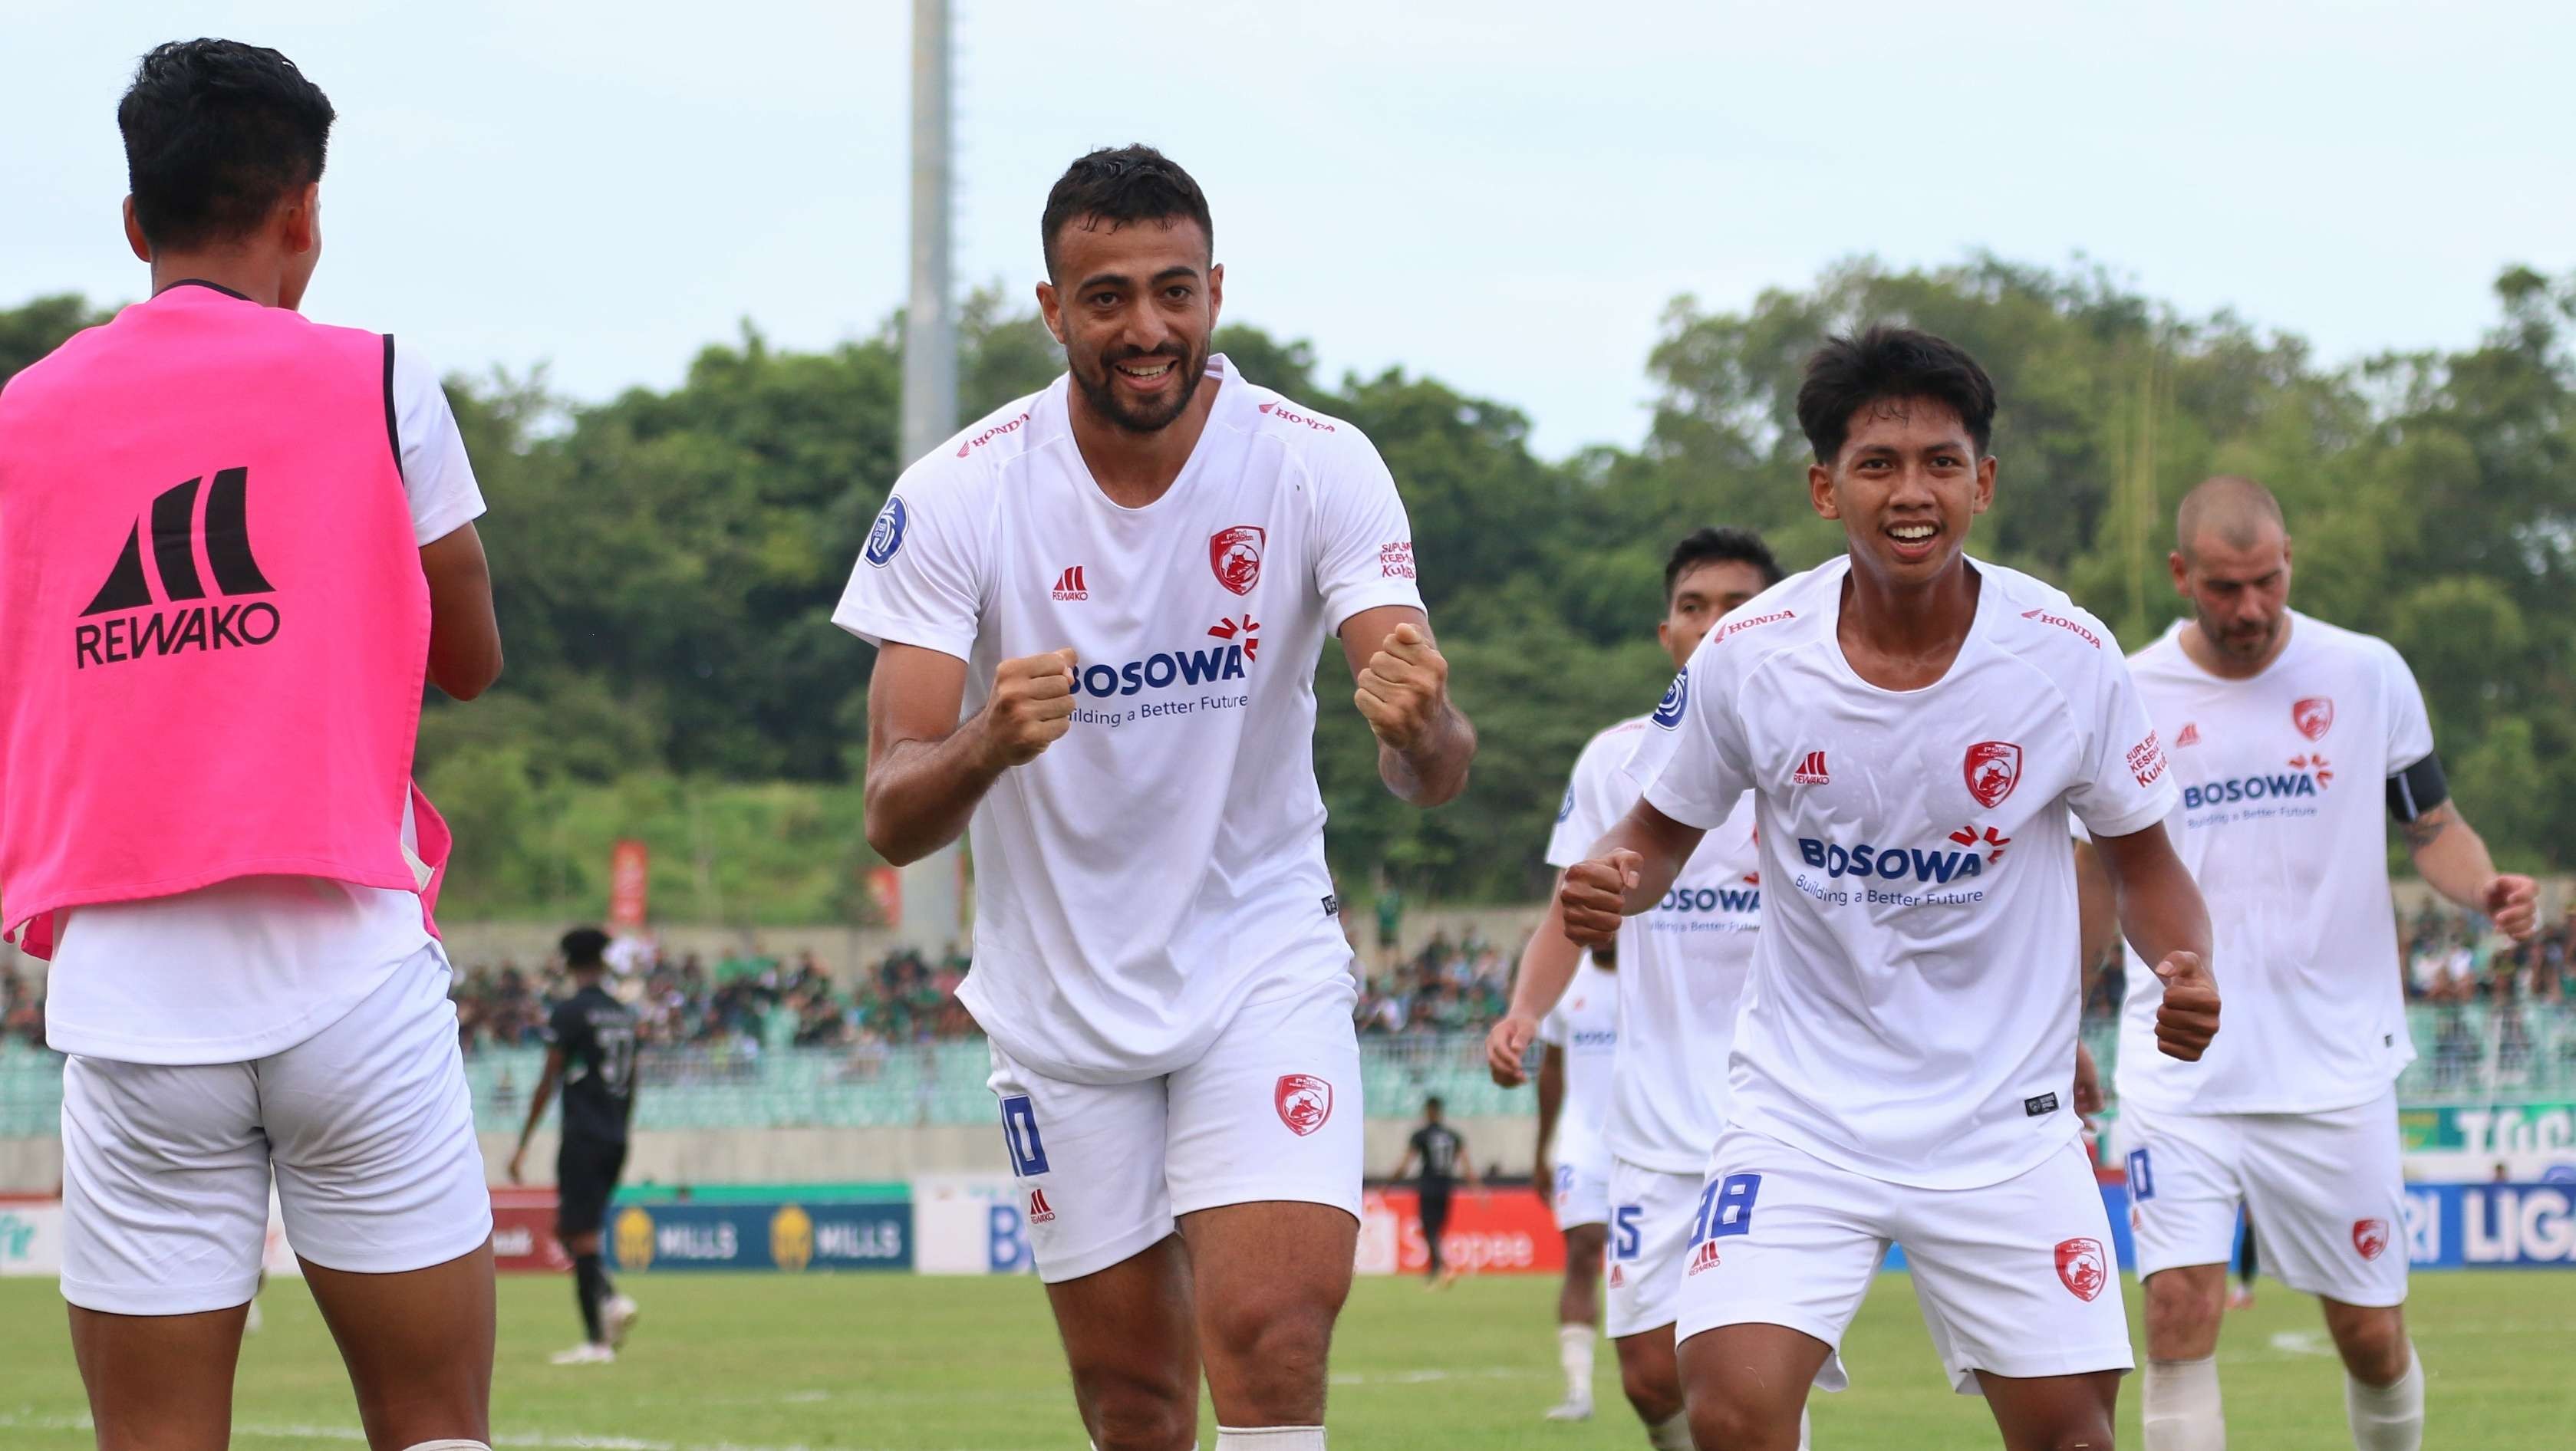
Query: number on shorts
point(1020, 1132)
point(1726, 1207)
point(1564, 1180)
point(2142, 1176)
point(1628, 1236)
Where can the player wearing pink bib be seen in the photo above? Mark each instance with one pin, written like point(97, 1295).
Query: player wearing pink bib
point(1098, 612)
point(2288, 738)
point(1903, 716)
point(236, 543)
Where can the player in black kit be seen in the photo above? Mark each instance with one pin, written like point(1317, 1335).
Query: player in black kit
point(1443, 1152)
point(592, 1053)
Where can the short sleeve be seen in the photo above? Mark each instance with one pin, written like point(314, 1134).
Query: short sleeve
point(1596, 796)
point(437, 477)
point(562, 1025)
point(2410, 725)
point(1691, 756)
point(918, 579)
point(1553, 1030)
point(2122, 785)
point(1364, 542)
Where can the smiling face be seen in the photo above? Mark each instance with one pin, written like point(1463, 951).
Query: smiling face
point(1135, 306)
point(1905, 485)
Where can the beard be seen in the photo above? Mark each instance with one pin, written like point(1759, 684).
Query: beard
point(1126, 414)
point(2241, 644)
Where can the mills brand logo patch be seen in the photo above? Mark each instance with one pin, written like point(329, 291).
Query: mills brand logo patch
point(1235, 555)
point(1993, 769)
point(2082, 1267)
point(181, 532)
point(2313, 716)
point(1305, 1102)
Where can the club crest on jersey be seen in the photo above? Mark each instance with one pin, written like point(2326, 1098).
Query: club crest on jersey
point(2370, 1237)
point(2082, 1267)
point(1235, 555)
point(1304, 1101)
point(2313, 716)
point(1993, 769)
point(1668, 711)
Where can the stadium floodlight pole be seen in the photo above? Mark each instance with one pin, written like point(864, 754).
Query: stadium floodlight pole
point(932, 887)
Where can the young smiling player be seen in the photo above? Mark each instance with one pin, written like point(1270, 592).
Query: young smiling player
point(1903, 1066)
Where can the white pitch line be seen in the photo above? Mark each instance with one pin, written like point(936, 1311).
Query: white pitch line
point(1428, 1377)
point(2302, 1342)
point(535, 1441)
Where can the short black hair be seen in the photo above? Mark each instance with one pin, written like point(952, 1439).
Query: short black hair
point(1886, 364)
point(1433, 1104)
point(216, 133)
point(1716, 546)
point(1121, 186)
point(585, 947)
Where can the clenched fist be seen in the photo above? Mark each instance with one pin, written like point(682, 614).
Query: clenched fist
point(1403, 687)
point(1031, 706)
point(1594, 897)
point(1507, 1049)
point(2513, 903)
point(2189, 1017)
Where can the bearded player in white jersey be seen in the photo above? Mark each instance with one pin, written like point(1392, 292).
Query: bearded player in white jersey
point(2287, 736)
point(1682, 970)
point(1903, 716)
point(1098, 612)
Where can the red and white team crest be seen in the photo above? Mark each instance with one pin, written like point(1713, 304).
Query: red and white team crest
point(2083, 1266)
point(2313, 716)
point(1235, 555)
point(1993, 769)
point(2370, 1237)
point(1304, 1101)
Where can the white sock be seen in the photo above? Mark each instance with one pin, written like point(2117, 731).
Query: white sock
point(2387, 1418)
point(2179, 1405)
point(1270, 1438)
point(1802, 1428)
point(1574, 1352)
point(451, 1446)
point(1672, 1435)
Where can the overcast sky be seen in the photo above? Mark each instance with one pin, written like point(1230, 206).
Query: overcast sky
point(1503, 194)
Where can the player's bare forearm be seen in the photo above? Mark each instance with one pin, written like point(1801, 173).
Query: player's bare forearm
point(921, 794)
point(1548, 965)
point(2450, 855)
point(1663, 846)
point(1551, 1097)
point(2097, 914)
point(2162, 913)
point(543, 1097)
point(1433, 771)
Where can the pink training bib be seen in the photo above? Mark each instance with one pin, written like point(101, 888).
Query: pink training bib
point(213, 624)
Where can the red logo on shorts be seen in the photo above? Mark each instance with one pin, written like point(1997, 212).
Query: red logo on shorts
point(2370, 1237)
point(1040, 1212)
point(2313, 716)
point(2083, 1266)
point(1618, 1277)
point(1235, 555)
point(1305, 1102)
point(1703, 1258)
point(1993, 769)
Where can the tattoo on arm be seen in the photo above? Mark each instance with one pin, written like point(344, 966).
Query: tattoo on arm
point(2421, 832)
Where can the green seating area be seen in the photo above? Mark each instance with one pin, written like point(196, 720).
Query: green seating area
point(2468, 1054)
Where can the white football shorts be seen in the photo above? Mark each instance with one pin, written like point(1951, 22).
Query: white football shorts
point(2017, 1278)
point(367, 1125)
point(1270, 1112)
point(2326, 1192)
point(1583, 1189)
point(1650, 1220)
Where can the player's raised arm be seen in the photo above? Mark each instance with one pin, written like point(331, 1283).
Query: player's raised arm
point(926, 770)
point(1424, 744)
point(1629, 871)
point(2162, 915)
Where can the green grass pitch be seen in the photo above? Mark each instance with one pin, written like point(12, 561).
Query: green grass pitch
point(902, 1363)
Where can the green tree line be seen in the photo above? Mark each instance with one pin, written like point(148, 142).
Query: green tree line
point(665, 561)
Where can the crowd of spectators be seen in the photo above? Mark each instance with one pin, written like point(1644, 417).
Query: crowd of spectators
point(22, 1005)
point(743, 1004)
point(1446, 987)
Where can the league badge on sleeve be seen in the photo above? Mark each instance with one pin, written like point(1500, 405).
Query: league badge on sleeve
point(2313, 716)
point(1235, 555)
point(1993, 769)
point(1304, 1101)
point(1668, 711)
point(2083, 1266)
point(886, 536)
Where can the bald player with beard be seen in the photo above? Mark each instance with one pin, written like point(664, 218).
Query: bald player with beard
point(2286, 734)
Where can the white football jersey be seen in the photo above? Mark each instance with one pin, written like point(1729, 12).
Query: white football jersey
point(1163, 863)
point(1585, 1025)
point(1913, 1007)
point(1682, 967)
point(2284, 789)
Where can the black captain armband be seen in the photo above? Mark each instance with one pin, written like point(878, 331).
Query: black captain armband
point(2417, 790)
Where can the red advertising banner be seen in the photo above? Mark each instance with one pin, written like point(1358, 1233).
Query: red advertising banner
point(885, 887)
point(523, 1232)
point(630, 870)
point(1495, 1231)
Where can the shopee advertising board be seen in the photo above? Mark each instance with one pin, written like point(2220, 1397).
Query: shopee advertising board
point(1493, 1231)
